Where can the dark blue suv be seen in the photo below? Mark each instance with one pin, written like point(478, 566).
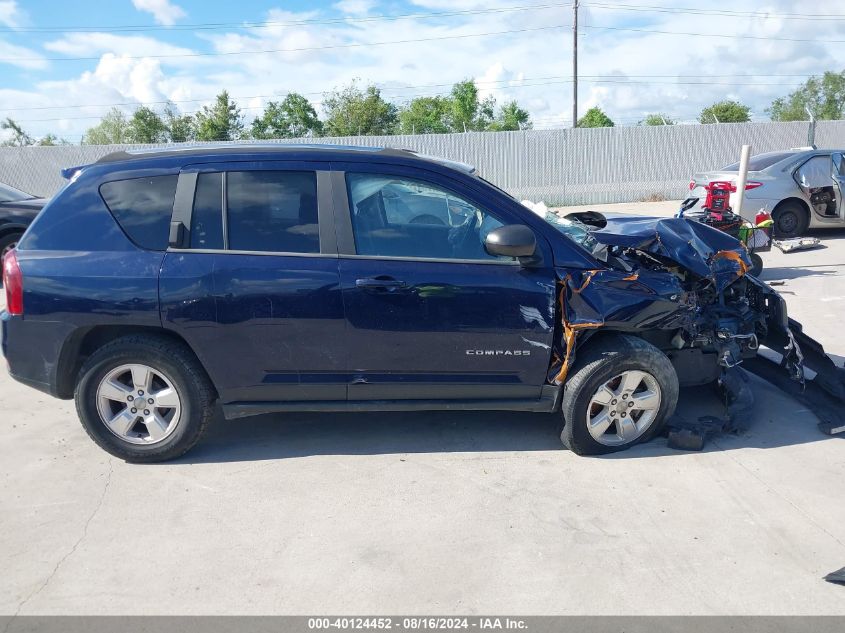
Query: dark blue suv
point(272, 278)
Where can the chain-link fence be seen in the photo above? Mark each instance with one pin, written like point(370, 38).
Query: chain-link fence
point(580, 166)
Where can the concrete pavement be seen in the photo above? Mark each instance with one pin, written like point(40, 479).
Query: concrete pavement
point(445, 513)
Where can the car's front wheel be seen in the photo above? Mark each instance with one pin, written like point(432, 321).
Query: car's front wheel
point(144, 399)
point(619, 393)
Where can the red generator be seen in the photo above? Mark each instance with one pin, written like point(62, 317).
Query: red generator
point(718, 198)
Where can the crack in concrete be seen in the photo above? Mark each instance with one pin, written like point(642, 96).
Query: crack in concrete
point(780, 495)
point(69, 553)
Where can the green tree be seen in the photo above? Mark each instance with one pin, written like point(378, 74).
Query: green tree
point(725, 112)
point(595, 117)
point(51, 139)
point(146, 126)
point(221, 121)
point(824, 96)
point(426, 115)
point(353, 112)
point(511, 117)
point(112, 129)
point(468, 112)
point(656, 119)
point(19, 137)
point(179, 127)
point(294, 117)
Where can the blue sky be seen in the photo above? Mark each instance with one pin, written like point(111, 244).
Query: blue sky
point(634, 58)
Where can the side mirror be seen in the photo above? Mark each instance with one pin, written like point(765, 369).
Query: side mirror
point(513, 240)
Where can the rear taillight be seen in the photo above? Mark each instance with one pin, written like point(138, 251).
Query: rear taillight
point(13, 283)
point(752, 184)
point(691, 185)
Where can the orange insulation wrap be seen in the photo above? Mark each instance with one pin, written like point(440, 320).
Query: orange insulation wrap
point(733, 256)
point(587, 279)
point(570, 330)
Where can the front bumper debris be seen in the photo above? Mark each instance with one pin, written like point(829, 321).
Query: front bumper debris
point(824, 394)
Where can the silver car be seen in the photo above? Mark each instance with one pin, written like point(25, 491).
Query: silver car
point(801, 188)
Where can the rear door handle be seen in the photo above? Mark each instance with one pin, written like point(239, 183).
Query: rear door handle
point(380, 284)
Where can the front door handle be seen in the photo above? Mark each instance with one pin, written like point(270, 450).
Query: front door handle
point(380, 284)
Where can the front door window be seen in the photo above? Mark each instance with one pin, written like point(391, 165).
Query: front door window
point(403, 217)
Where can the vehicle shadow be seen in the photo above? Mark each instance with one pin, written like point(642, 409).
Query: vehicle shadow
point(778, 421)
point(776, 273)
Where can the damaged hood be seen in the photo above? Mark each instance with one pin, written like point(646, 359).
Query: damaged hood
point(699, 248)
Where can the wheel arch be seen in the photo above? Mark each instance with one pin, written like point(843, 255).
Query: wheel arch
point(85, 341)
point(793, 200)
point(11, 229)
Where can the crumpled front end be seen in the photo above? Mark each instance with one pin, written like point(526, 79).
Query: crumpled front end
point(683, 287)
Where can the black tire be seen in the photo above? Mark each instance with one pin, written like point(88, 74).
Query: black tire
point(756, 265)
point(172, 360)
point(8, 241)
point(790, 220)
point(603, 360)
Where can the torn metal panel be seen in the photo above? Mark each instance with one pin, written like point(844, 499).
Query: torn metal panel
point(698, 248)
point(683, 286)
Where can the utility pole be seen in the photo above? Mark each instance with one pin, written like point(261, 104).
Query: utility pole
point(575, 63)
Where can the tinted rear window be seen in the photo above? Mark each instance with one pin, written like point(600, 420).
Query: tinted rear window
point(272, 211)
point(142, 207)
point(761, 161)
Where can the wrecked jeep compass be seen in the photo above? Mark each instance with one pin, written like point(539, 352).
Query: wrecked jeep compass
point(267, 279)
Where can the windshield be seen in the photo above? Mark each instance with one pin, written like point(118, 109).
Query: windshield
point(761, 161)
point(575, 231)
point(10, 194)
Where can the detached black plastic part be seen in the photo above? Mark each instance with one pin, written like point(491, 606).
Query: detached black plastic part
point(824, 395)
point(837, 577)
point(692, 436)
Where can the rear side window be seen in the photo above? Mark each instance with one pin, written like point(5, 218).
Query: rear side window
point(272, 211)
point(761, 161)
point(142, 207)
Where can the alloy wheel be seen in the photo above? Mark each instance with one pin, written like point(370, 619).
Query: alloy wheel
point(623, 408)
point(138, 404)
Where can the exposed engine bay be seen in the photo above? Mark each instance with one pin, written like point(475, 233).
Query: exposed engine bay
point(683, 287)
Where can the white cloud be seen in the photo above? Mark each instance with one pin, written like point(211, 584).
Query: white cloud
point(532, 67)
point(21, 57)
point(11, 14)
point(355, 7)
point(163, 11)
point(95, 43)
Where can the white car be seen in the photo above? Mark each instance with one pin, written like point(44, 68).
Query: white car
point(801, 188)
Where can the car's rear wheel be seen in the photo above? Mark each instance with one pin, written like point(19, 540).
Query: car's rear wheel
point(790, 220)
point(144, 399)
point(8, 242)
point(619, 393)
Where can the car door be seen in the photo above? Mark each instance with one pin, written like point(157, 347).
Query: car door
point(253, 282)
point(431, 315)
point(837, 172)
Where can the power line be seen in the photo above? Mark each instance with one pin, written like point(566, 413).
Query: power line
point(293, 50)
point(716, 12)
point(675, 79)
point(721, 35)
point(428, 39)
point(703, 81)
point(271, 23)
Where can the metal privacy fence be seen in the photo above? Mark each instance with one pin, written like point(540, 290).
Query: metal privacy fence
point(580, 166)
